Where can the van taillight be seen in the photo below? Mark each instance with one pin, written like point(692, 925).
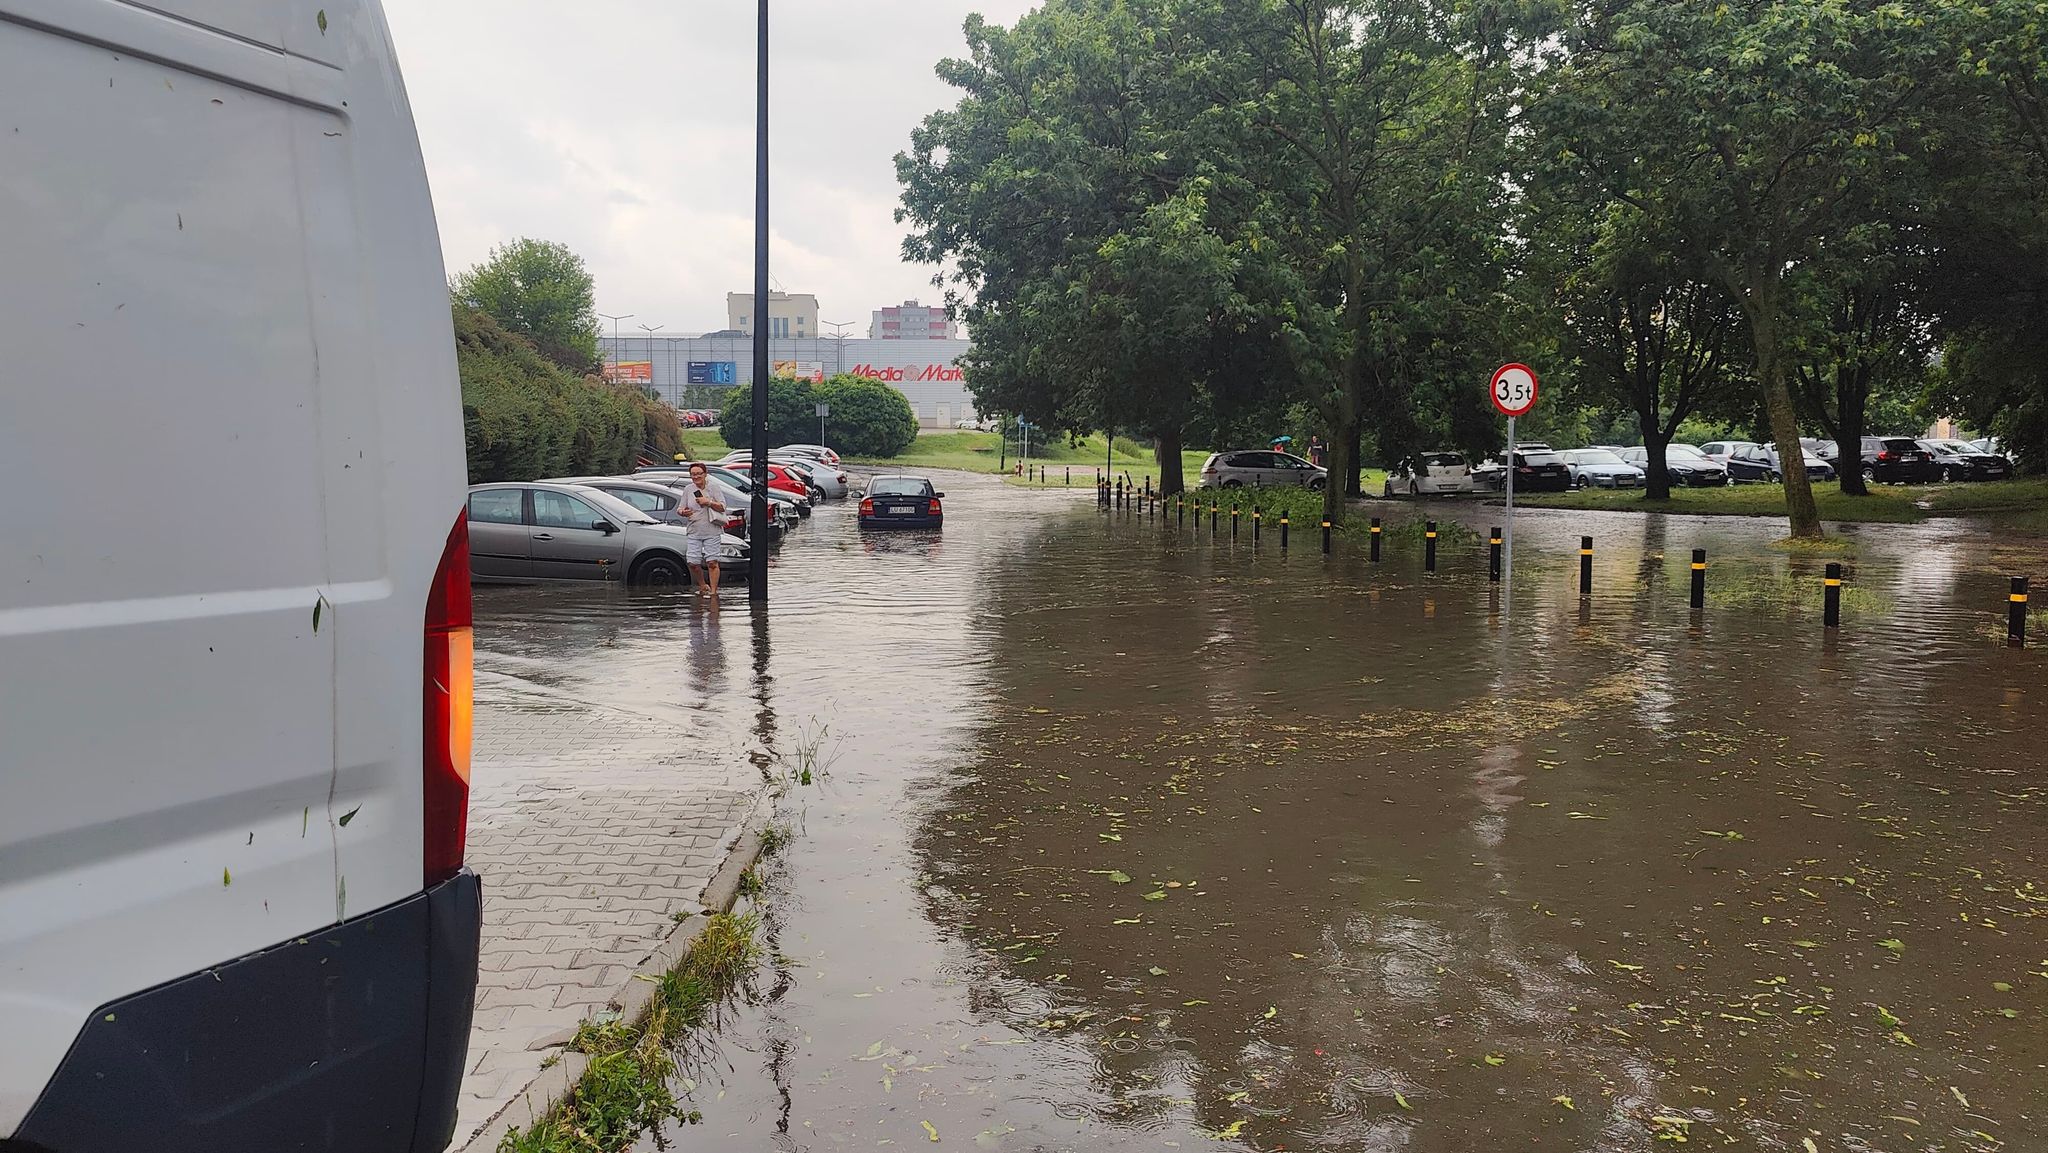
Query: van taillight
point(448, 698)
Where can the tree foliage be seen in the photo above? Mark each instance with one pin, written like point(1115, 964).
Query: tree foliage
point(1197, 217)
point(540, 290)
point(792, 413)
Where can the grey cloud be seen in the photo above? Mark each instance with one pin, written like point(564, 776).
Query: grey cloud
point(624, 128)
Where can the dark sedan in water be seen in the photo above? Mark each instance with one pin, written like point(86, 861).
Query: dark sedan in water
point(1684, 465)
point(901, 502)
point(1537, 469)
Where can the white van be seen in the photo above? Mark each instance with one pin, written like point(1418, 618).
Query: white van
point(234, 589)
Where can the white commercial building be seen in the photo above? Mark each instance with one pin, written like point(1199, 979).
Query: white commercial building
point(912, 321)
point(697, 371)
point(791, 316)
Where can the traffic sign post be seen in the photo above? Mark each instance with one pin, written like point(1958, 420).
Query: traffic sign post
point(1513, 389)
point(824, 410)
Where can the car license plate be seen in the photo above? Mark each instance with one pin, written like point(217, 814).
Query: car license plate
point(903, 510)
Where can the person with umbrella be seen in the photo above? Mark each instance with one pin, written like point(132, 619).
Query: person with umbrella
point(1282, 443)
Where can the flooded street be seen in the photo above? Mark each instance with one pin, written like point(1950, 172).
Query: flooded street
point(1117, 837)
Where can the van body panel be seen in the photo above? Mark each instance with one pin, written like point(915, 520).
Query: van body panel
point(228, 349)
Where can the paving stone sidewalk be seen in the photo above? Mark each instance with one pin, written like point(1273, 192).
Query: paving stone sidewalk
point(592, 833)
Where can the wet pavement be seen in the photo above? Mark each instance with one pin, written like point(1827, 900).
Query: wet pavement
point(1118, 838)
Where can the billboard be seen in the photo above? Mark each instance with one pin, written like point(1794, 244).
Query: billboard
point(714, 372)
point(811, 370)
point(630, 372)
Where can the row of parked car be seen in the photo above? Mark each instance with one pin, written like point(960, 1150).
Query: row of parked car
point(697, 417)
point(1540, 468)
point(628, 527)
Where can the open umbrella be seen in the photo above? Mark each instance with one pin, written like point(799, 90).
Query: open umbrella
point(1283, 440)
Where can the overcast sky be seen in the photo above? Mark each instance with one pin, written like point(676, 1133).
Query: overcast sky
point(625, 129)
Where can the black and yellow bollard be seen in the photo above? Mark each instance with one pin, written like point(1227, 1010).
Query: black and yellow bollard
point(1493, 556)
point(1233, 520)
point(1585, 566)
point(1212, 520)
point(1070, 476)
point(1699, 579)
point(1831, 597)
point(1180, 512)
point(1283, 532)
point(1257, 517)
point(2016, 613)
point(1326, 536)
point(1375, 540)
point(1429, 546)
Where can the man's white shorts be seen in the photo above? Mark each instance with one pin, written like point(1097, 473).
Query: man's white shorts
point(701, 550)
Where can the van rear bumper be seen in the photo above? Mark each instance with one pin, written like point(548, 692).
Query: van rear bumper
point(349, 1039)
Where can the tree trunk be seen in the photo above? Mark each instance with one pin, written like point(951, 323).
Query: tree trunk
point(1350, 475)
point(1167, 452)
point(1852, 402)
point(1770, 366)
point(1656, 475)
point(1343, 462)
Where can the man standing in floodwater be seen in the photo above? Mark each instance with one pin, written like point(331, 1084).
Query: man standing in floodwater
point(705, 532)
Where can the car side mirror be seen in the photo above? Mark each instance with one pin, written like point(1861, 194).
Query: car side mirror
point(604, 526)
point(939, 495)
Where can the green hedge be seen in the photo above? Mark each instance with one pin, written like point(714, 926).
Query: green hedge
point(868, 417)
point(524, 418)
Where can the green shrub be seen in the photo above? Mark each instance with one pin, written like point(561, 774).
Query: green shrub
point(792, 414)
point(524, 418)
point(868, 417)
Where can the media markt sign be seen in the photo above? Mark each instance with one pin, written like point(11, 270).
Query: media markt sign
point(898, 374)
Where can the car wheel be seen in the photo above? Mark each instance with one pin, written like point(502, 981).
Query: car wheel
point(1233, 484)
point(1869, 475)
point(1316, 485)
point(1948, 476)
point(1775, 478)
point(660, 572)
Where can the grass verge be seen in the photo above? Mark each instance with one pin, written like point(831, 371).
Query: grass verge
point(625, 1091)
point(2019, 506)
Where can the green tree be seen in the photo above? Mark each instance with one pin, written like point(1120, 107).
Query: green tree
point(1752, 133)
point(868, 417)
point(1373, 133)
point(1640, 332)
point(540, 290)
point(792, 414)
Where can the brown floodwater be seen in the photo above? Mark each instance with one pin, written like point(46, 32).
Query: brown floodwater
point(1122, 838)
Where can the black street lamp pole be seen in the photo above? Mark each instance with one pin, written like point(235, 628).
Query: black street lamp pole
point(757, 544)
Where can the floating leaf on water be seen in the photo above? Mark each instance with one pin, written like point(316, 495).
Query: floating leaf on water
point(1402, 1101)
point(1128, 921)
point(2002, 986)
point(224, 879)
point(929, 1131)
point(1810, 1146)
point(1625, 968)
point(349, 816)
point(1565, 1101)
point(320, 18)
point(1156, 895)
point(1192, 1004)
point(2008, 1014)
point(1496, 1059)
point(1885, 1018)
point(1892, 943)
point(1806, 944)
point(1156, 971)
point(875, 1050)
point(1231, 1131)
point(1960, 1099)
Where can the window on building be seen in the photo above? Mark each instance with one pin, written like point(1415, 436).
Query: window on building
point(743, 323)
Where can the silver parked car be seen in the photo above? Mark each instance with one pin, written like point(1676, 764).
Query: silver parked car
point(1256, 468)
point(1599, 468)
point(663, 501)
point(541, 531)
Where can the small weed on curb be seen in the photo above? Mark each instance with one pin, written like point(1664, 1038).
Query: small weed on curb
point(625, 1090)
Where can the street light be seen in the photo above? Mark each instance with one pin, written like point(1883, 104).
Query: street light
point(650, 330)
point(615, 338)
point(757, 586)
point(839, 350)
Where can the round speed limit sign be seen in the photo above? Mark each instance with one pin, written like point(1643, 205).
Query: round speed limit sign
point(1514, 389)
